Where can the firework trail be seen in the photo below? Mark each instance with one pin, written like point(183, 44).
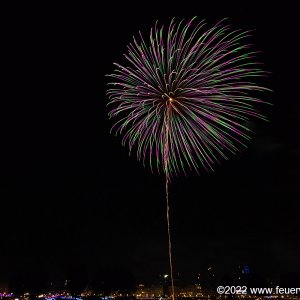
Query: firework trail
point(184, 98)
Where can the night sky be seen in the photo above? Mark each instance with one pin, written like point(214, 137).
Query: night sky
point(72, 198)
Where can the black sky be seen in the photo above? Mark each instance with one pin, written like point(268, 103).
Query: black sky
point(70, 195)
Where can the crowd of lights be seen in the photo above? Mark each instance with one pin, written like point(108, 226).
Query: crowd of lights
point(6, 295)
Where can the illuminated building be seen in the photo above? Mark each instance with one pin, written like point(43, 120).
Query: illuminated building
point(153, 291)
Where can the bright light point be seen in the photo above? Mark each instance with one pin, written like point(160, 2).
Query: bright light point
point(171, 99)
point(166, 276)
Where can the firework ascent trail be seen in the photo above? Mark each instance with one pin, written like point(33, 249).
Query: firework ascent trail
point(166, 164)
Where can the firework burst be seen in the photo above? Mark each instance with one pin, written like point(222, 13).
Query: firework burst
point(192, 87)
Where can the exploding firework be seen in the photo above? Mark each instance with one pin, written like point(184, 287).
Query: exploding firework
point(193, 89)
point(185, 96)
